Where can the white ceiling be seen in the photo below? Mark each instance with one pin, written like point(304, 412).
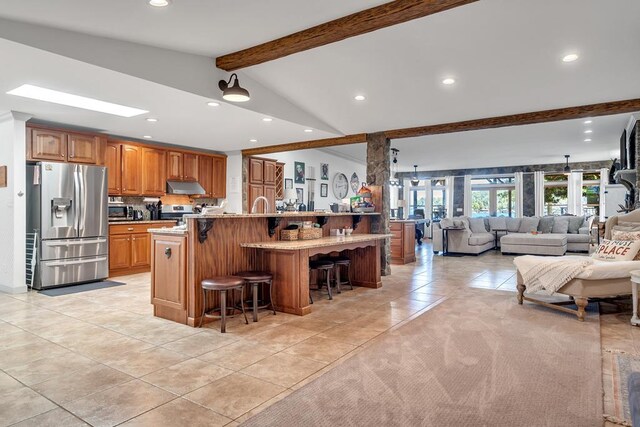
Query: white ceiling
point(510, 146)
point(505, 55)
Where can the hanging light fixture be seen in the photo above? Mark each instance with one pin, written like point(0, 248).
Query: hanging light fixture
point(235, 93)
point(567, 168)
point(394, 181)
point(415, 181)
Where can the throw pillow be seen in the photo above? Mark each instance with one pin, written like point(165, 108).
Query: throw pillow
point(626, 235)
point(546, 224)
point(529, 224)
point(477, 225)
point(513, 224)
point(497, 223)
point(617, 250)
point(560, 225)
point(575, 222)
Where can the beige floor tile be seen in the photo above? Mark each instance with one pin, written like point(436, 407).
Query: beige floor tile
point(8, 383)
point(186, 376)
point(284, 335)
point(284, 369)
point(64, 388)
point(20, 355)
point(262, 407)
point(118, 404)
point(234, 395)
point(55, 418)
point(321, 349)
point(239, 355)
point(204, 342)
point(20, 404)
point(140, 363)
point(350, 334)
point(179, 412)
point(44, 369)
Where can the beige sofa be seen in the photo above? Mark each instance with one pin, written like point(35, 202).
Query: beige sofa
point(463, 241)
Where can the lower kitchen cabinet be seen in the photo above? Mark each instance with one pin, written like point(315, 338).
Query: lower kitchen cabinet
point(403, 242)
point(168, 277)
point(130, 247)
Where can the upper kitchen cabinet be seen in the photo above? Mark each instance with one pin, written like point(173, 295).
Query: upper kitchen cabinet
point(131, 170)
point(256, 171)
point(175, 170)
point(269, 172)
point(205, 174)
point(262, 182)
point(47, 145)
point(154, 176)
point(82, 148)
point(219, 177)
point(190, 166)
point(114, 171)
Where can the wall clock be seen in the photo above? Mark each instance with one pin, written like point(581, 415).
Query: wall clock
point(340, 186)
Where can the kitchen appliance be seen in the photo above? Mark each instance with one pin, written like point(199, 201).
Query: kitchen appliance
point(185, 187)
point(120, 213)
point(138, 215)
point(67, 211)
point(175, 212)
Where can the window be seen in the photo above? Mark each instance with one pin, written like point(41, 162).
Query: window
point(493, 196)
point(556, 194)
point(591, 193)
point(423, 198)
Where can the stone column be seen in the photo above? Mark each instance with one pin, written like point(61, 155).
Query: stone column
point(378, 173)
point(528, 196)
point(458, 196)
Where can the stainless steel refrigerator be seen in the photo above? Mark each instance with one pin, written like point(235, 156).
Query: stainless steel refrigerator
point(67, 213)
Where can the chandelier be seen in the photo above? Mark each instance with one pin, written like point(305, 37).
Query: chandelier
point(393, 180)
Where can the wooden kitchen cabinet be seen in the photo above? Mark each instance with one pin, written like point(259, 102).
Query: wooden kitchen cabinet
point(114, 171)
point(269, 173)
point(47, 145)
point(205, 174)
point(174, 166)
point(119, 252)
point(130, 247)
point(141, 250)
point(256, 171)
point(262, 182)
point(82, 148)
point(256, 191)
point(154, 176)
point(131, 170)
point(219, 189)
point(190, 167)
point(403, 243)
point(168, 277)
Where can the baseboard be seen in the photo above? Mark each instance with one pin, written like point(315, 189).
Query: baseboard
point(13, 290)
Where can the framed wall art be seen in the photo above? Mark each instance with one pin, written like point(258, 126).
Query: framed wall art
point(298, 172)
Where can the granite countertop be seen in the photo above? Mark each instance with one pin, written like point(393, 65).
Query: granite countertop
point(142, 222)
point(406, 220)
point(315, 243)
point(167, 230)
point(280, 215)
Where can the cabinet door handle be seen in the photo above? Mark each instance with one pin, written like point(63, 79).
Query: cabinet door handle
point(134, 238)
point(130, 229)
point(167, 252)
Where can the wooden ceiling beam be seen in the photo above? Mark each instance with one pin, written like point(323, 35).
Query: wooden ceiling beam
point(568, 113)
point(306, 145)
point(375, 18)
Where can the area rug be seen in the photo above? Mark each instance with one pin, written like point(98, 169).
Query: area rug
point(67, 290)
point(622, 364)
point(477, 360)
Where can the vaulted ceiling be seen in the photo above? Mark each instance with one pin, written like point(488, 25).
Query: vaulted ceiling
point(505, 55)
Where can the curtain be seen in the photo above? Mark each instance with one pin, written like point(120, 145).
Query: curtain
point(518, 177)
point(467, 196)
point(574, 193)
point(538, 180)
point(449, 181)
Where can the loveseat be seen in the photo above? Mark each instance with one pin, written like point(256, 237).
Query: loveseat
point(478, 235)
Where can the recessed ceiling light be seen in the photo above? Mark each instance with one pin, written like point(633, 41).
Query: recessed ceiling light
point(151, 119)
point(62, 98)
point(588, 131)
point(308, 130)
point(570, 57)
point(267, 119)
point(147, 137)
point(448, 81)
point(253, 140)
point(587, 140)
point(359, 98)
point(213, 104)
point(586, 122)
point(159, 3)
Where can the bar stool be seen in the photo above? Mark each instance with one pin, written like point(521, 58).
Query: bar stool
point(255, 279)
point(326, 267)
point(222, 284)
point(340, 262)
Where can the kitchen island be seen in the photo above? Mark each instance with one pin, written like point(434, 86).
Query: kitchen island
point(221, 245)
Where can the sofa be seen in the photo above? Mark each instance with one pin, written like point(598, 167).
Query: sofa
point(477, 235)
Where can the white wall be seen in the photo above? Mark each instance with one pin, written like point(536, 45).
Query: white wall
point(313, 158)
point(234, 182)
point(12, 202)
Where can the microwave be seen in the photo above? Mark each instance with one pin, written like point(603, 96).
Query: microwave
point(120, 213)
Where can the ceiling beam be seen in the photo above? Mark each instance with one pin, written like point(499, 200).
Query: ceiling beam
point(306, 145)
point(375, 18)
point(568, 113)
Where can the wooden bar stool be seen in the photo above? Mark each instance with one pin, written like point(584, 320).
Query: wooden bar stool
point(340, 262)
point(255, 279)
point(326, 267)
point(222, 284)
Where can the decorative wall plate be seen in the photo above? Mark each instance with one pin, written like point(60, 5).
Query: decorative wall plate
point(355, 182)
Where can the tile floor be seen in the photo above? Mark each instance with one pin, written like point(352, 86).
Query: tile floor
point(101, 358)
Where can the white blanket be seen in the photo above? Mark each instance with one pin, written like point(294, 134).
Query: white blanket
point(547, 275)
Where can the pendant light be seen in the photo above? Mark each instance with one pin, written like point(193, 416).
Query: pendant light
point(394, 181)
point(567, 168)
point(235, 93)
point(415, 181)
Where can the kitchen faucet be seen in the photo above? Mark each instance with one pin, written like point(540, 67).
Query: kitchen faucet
point(255, 204)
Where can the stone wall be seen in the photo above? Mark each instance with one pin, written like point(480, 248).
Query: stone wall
point(529, 189)
point(378, 171)
point(458, 196)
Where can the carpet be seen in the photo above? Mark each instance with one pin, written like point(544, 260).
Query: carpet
point(622, 364)
point(477, 360)
point(74, 289)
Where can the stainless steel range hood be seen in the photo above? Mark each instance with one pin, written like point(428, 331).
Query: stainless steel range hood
point(183, 187)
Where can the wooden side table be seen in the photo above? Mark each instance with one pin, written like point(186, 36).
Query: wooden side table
point(635, 280)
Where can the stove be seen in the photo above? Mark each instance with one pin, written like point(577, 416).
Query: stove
point(175, 212)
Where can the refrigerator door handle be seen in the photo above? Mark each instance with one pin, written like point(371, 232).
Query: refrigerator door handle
point(80, 202)
point(78, 242)
point(65, 263)
point(76, 196)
